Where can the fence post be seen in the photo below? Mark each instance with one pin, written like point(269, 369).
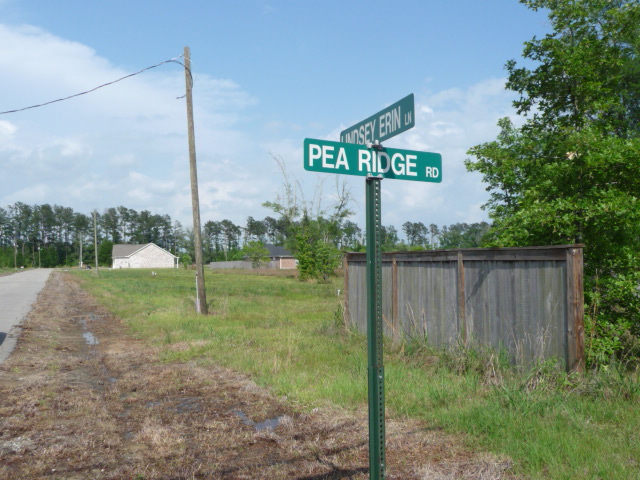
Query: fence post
point(347, 315)
point(462, 313)
point(395, 317)
point(575, 309)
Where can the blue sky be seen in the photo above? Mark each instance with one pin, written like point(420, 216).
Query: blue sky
point(267, 74)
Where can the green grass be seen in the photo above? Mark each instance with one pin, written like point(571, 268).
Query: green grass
point(289, 336)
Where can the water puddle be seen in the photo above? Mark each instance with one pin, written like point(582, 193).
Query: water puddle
point(89, 337)
point(188, 405)
point(268, 425)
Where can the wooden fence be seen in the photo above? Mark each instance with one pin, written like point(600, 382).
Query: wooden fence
point(528, 301)
point(242, 264)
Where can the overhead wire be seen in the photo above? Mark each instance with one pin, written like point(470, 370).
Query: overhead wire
point(172, 60)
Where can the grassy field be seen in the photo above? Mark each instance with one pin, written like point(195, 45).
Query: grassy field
point(290, 336)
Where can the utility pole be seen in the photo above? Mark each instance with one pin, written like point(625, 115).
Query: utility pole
point(95, 239)
point(201, 297)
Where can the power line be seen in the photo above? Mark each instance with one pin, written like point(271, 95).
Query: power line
point(172, 60)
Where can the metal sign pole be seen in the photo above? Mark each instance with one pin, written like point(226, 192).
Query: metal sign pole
point(359, 153)
point(374, 330)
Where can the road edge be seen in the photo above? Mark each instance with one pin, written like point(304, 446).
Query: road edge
point(9, 343)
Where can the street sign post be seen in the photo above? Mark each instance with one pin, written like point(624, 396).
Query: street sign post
point(375, 381)
point(383, 125)
point(359, 152)
point(349, 159)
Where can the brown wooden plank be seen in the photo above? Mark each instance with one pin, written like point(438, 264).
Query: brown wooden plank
point(346, 314)
point(575, 310)
point(462, 322)
point(394, 300)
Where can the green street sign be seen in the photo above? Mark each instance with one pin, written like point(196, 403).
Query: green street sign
point(352, 159)
point(385, 124)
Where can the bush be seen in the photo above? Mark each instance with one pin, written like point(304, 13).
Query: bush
point(316, 259)
point(257, 253)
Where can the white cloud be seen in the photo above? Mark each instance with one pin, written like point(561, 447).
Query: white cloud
point(126, 144)
point(7, 131)
point(122, 161)
point(447, 122)
point(34, 194)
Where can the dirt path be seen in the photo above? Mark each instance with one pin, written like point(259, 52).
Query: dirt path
point(81, 399)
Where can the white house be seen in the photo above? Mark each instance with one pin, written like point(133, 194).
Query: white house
point(142, 256)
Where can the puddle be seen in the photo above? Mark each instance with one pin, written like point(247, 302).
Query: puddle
point(90, 338)
point(268, 425)
point(188, 405)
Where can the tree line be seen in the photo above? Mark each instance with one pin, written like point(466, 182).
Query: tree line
point(53, 235)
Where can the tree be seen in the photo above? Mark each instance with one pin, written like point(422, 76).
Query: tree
point(255, 230)
point(257, 253)
point(49, 257)
point(185, 260)
point(6, 228)
point(352, 235)
point(463, 235)
point(231, 234)
point(110, 223)
point(416, 233)
point(105, 250)
point(389, 237)
point(569, 174)
point(125, 216)
point(294, 209)
point(271, 225)
point(178, 238)
point(434, 232)
point(317, 258)
point(166, 231)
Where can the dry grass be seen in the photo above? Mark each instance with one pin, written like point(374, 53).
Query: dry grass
point(71, 410)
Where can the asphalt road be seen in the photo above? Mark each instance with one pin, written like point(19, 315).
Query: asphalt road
point(18, 292)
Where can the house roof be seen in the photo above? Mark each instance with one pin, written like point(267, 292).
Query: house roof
point(277, 251)
point(128, 249)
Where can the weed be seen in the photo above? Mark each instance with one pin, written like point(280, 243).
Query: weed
point(548, 421)
point(483, 360)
